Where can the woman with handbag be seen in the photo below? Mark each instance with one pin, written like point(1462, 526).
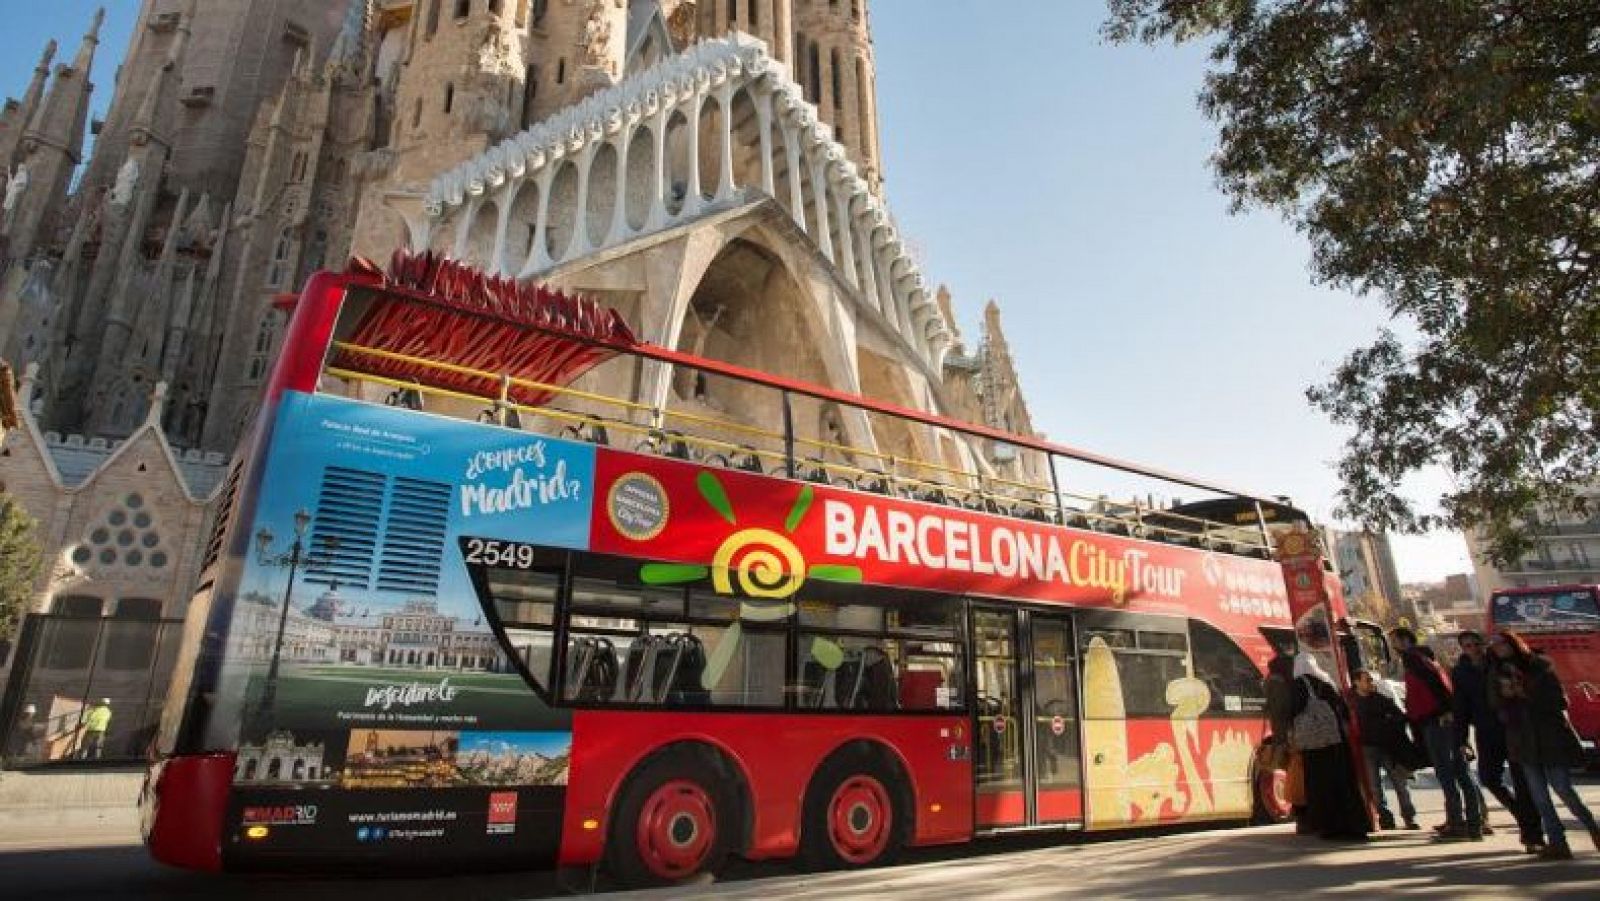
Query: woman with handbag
point(1334, 809)
point(1540, 737)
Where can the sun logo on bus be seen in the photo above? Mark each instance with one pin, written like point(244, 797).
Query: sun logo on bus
point(756, 563)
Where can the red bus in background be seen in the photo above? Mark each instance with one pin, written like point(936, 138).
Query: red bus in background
point(470, 602)
point(1561, 622)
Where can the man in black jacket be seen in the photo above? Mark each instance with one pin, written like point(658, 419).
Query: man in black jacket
point(1384, 746)
point(1474, 715)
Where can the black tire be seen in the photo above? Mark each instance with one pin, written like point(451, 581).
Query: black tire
point(843, 824)
point(673, 821)
point(1268, 805)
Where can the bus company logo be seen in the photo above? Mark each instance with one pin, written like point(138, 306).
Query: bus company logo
point(280, 815)
point(408, 694)
point(940, 543)
point(761, 564)
point(502, 813)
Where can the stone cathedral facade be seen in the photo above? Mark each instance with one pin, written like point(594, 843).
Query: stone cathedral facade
point(710, 168)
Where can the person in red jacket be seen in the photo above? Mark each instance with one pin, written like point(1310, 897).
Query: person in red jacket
point(1429, 707)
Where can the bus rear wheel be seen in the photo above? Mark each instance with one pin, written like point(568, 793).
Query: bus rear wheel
point(671, 823)
point(853, 815)
point(1271, 795)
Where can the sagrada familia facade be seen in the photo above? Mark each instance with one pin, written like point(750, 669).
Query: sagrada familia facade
point(710, 168)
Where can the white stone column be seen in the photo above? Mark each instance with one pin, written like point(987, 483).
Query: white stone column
point(791, 153)
point(819, 191)
point(469, 215)
point(692, 201)
point(619, 230)
point(764, 119)
point(508, 196)
point(725, 183)
point(864, 256)
point(579, 244)
point(539, 257)
point(847, 251)
point(657, 218)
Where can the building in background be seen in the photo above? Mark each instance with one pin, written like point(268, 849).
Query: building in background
point(1366, 567)
point(1566, 550)
point(711, 170)
point(1449, 607)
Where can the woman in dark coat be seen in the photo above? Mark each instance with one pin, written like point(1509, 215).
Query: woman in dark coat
point(1334, 808)
point(1539, 736)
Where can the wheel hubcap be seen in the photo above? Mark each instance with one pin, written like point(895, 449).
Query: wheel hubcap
point(860, 819)
point(677, 829)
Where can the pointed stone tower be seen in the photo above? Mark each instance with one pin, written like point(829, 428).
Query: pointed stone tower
point(16, 115)
point(51, 149)
point(834, 63)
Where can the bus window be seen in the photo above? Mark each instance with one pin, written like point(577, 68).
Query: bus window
point(524, 603)
point(898, 651)
point(1148, 660)
point(1234, 682)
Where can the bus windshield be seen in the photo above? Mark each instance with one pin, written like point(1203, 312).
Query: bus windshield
point(1563, 608)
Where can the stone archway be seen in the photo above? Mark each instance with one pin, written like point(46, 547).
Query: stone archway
point(750, 310)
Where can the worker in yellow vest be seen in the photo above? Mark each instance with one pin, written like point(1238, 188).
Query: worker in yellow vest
point(95, 725)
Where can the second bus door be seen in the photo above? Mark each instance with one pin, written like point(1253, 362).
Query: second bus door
point(1027, 759)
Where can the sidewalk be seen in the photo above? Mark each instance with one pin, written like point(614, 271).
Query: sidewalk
point(62, 805)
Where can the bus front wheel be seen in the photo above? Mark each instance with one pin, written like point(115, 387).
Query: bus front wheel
point(671, 822)
point(854, 816)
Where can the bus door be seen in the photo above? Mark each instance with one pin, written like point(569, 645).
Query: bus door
point(1027, 762)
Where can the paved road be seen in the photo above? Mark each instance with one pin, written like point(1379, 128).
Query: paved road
point(98, 857)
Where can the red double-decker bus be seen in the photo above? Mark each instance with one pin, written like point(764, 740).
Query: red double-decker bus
point(1561, 622)
point(474, 599)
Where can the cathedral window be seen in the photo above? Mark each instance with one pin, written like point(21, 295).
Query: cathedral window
point(530, 90)
point(814, 70)
point(416, 114)
point(280, 260)
point(733, 12)
point(838, 88)
point(539, 7)
point(463, 8)
point(855, 10)
point(449, 98)
point(494, 6)
point(561, 71)
point(262, 348)
point(433, 16)
point(753, 16)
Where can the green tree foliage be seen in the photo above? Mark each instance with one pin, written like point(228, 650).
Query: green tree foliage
point(1443, 155)
point(19, 564)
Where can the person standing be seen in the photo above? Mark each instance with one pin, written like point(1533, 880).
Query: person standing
point(1429, 707)
point(1385, 747)
point(1334, 808)
point(95, 725)
point(25, 735)
point(1540, 737)
point(1278, 689)
point(1475, 719)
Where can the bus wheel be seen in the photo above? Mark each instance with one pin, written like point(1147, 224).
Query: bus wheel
point(853, 817)
point(670, 823)
point(1271, 795)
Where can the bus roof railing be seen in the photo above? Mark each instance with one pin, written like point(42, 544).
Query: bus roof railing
point(866, 469)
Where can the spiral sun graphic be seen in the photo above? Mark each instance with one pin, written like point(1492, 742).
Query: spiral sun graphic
point(753, 562)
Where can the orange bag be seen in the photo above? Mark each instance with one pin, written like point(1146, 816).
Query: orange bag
point(1295, 779)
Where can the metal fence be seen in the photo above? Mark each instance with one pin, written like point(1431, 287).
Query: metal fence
point(67, 666)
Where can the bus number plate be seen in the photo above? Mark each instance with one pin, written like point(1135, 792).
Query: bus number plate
point(503, 554)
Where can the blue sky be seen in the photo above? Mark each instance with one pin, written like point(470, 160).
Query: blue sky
point(1067, 179)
